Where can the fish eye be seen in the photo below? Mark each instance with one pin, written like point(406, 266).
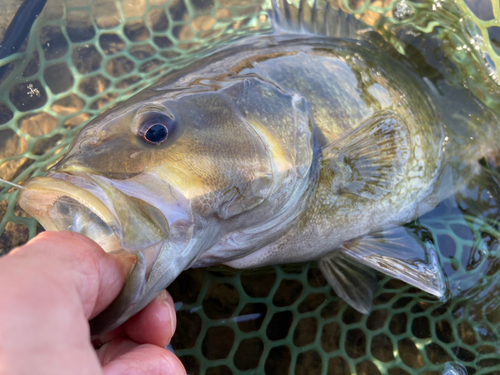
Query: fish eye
point(155, 128)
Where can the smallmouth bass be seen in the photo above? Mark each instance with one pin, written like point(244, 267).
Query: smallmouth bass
point(274, 150)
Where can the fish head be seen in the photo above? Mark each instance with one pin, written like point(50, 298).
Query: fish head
point(162, 178)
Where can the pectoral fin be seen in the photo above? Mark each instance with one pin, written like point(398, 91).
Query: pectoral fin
point(372, 158)
point(400, 254)
point(352, 281)
point(129, 295)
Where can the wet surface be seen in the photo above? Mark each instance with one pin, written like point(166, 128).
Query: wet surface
point(277, 320)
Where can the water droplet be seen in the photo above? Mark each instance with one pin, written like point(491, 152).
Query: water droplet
point(474, 32)
point(402, 10)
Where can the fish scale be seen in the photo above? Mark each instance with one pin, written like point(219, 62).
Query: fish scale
point(426, 336)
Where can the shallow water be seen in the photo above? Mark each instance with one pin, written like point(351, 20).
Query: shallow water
point(85, 55)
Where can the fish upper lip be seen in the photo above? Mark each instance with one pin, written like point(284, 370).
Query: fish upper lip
point(53, 188)
point(41, 194)
point(82, 202)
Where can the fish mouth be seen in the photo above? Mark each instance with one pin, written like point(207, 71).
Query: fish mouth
point(89, 204)
point(60, 205)
point(142, 216)
point(85, 204)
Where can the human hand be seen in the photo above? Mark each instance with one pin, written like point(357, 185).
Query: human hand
point(51, 287)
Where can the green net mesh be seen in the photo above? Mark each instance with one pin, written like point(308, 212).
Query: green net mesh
point(84, 55)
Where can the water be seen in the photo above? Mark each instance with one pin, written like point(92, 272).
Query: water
point(85, 56)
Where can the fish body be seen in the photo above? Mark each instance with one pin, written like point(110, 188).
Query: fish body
point(275, 150)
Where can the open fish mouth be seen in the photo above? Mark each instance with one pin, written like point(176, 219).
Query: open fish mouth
point(84, 203)
point(69, 214)
point(87, 205)
point(60, 205)
point(105, 211)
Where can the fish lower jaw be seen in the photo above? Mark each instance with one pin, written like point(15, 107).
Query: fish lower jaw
point(61, 206)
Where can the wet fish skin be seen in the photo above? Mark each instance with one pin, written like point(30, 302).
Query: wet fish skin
point(285, 149)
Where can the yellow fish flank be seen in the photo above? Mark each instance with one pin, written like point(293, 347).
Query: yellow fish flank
point(274, 150)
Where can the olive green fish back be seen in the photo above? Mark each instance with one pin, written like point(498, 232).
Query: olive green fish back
point(85, 55)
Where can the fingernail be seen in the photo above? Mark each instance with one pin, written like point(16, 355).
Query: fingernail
point(163, 296)
point(168, 301)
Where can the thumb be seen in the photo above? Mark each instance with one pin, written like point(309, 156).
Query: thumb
point(76, 264)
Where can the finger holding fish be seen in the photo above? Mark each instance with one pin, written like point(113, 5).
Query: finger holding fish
point(66, 279)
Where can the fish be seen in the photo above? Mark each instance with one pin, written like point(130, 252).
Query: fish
point(276, 149)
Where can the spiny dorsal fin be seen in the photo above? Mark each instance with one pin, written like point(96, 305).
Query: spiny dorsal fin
point(402, 255)
point(372, 158)
point(317, 17)
point(351, 280)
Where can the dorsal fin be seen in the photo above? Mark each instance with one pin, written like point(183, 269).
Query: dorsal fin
point(317, 17)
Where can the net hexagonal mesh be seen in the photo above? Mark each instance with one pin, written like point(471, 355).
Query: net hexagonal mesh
point(83, 56)
point(287, 319)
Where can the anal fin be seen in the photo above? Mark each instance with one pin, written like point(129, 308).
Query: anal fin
point(354, 282)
